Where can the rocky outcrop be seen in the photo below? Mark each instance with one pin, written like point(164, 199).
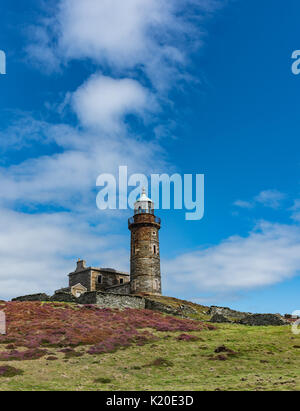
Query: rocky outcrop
point(183, 310)
point(226, 315)
point(264, 319)
point(219, 318)
point(227, 312)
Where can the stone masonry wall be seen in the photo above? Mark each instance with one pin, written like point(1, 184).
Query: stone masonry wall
point(82, 277)
point(32, 297)
point(121, 289)
point(104, 300)
point(89, 279)
point(63, 297)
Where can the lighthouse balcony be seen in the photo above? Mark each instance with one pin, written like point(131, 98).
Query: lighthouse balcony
point(134, 220)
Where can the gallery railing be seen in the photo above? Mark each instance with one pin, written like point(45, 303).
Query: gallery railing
point(156, 220)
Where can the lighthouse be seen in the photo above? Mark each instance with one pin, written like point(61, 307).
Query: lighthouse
point(145, 275)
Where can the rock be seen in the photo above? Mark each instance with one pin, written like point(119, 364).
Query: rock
point(224, 349)
point(219, 357)
point(182, 311)
point(226, 312)
point(219, 318)
point(263, 319)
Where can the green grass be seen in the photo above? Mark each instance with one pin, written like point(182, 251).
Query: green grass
point(266, 360)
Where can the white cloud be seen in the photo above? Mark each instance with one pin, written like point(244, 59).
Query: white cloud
point(40, 52)
point(270, 198)
point(268, 255)
point(296, 210)
point(153, 35)
point(68, 179)
point(23, 131)
point(243, 204)
point(104, 102)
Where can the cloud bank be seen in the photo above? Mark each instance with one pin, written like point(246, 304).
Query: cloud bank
point(268, 255)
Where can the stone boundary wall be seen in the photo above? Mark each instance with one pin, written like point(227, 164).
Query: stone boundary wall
point(107, 300)
point(32, 297)
point(64, 297)
point(103, 300)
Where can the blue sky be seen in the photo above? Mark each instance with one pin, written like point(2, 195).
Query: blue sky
point(193, 86)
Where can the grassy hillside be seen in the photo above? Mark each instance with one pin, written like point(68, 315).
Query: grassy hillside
point(67, 347)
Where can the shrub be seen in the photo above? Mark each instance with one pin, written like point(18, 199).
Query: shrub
point(9, 372)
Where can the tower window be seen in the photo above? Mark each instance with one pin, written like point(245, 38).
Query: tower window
point(100, 279)
point(154, 249)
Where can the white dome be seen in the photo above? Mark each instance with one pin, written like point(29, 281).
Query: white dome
point(144, 204)
point(144, 197)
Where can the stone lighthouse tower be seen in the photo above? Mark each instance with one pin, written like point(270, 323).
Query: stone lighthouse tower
point(145, 254)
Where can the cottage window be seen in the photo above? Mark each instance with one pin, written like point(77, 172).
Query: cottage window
point(121, 280)
point(100, 279)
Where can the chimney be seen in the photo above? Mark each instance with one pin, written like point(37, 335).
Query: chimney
point(81, 265)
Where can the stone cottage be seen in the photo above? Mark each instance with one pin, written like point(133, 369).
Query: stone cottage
point(85, 279)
